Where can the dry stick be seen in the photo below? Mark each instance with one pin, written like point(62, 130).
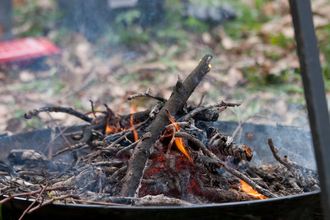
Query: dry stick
point(28, 208)
point(236, 173)
point(29, 193)
point(70, 111)
point(240, 124)
point(74, 147)
point(176, 102)
point(61, 133)
point(276, 156)
point(186, 124)
point(146, 94)
point(51, 201)
point(220, 104)
point(201, 101)
point(99, 203)
point(44, 173)
point(131, 146)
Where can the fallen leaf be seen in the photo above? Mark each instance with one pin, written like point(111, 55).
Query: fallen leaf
point(26, 76)
point(226, 41)
point(232, 77)
point(207, 38)
point(320, 21)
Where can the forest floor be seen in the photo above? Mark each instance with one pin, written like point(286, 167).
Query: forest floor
point(254, 60)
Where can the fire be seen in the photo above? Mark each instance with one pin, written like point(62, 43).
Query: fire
point(136, 137)
point(133, 110)
point(109, 129)
point(250, 135)
point(178, 142)
point(249, 190)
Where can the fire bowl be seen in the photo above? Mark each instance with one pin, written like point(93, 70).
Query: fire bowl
point(295, 142)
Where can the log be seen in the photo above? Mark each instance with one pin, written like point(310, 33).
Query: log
point(176, 102)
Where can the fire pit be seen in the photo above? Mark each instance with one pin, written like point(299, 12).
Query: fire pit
point(303, 206)
point(169, 155)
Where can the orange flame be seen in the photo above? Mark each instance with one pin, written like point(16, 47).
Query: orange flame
point(109, 129)
point(249, 190)
point(178, 142)
point(133, 110)
point(250, 135)
point(136, 137)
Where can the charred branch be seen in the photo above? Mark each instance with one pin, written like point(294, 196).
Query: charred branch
point(134, 118)
point(227, 147)
point(69, 111)
point(276, 156)
point(176, 102)
point(222, 104)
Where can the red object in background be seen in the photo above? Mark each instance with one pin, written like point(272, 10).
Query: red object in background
point(26, 49)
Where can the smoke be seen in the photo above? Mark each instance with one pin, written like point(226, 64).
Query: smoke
point(294, 142)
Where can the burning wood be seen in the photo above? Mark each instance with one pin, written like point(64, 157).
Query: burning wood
point(166, 155)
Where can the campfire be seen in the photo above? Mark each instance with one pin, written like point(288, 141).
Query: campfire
point(168, 155)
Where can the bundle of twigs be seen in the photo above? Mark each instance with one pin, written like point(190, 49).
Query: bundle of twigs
point(169, 149)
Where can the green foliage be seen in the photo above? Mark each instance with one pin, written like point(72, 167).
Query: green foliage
point(280, 40)
point(128, 17)
point(246, 20)
point(18, 113)
point(38, 85)
point(35, 122)
point(323, 40)
point(32, 20)
point(194, 25)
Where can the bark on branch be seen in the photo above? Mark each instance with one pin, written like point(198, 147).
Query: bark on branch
point(176, 102)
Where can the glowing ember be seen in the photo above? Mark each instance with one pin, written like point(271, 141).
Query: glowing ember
point(178, 142)
point(250, 135)
point(249, 190)
point(210, 66)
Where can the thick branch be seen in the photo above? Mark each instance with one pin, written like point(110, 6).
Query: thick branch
point(176, 102)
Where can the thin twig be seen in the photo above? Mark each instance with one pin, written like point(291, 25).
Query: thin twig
point(225, 104)
point(275, 154)
point(70, 111)
point(131, 146)
point(99, 203)
point(44, 173)
point(29, 193)
point(72, 148)
point(146, 94)
point(28, 208)
point(51, 201)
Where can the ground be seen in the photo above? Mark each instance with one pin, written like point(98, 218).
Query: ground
point(254, 60)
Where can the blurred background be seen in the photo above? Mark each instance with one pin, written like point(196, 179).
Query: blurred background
point(115, 48)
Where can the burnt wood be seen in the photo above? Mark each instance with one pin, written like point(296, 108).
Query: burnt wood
point(176, 102)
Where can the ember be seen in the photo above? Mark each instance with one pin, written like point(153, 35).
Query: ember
point(131, 156)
